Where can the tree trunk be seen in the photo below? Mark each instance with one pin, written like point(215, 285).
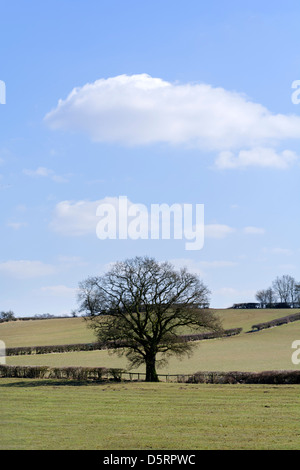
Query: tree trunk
point(151, 375)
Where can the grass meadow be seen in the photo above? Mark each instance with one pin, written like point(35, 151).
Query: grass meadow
point(74, 330)
point(268, 349)
point(58, 414)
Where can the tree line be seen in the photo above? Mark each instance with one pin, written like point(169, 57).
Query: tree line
point(284, 290)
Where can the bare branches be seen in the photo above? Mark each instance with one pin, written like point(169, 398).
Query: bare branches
point(143, 304)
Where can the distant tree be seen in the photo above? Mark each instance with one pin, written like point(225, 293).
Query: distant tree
point(266, 296)
point(7, 316)
point(142, 305)
point(261, 297)
point(285, 288)
point(297, 293)
point(90, 297)
point(44, 316)
point(271, 296)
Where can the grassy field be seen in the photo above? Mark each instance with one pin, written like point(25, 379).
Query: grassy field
point(74, 330)
point(60, 415)
point(265, 350)
point(45, 332)
point(48, 414)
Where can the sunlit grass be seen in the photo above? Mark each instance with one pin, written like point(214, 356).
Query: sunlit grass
point(59, 415)
point(265, 350)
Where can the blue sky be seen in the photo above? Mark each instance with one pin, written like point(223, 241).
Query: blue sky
point(174, 102)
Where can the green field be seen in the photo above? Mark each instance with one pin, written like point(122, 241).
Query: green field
point(59, 415)
point(74, 330)
point(49, 414)
point(264, 350)
point(45, 332)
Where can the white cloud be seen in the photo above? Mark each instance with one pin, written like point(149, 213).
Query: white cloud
point(233, 295)
point(191, 265)
point(199, 267)
point(59, 291)
point(71, 261)
point(217, 231)
point(259, 157)
point(140, 110)
point(78, 218)
point(16, 225)
point(254, 231)
point(278, 251)
point(26, 269)
point(287, 267)
point(45, 173)
point(218, 264)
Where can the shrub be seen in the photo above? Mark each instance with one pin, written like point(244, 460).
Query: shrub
point(212, 335)
point(265, 377)
point(276, 322)
point(66, 373)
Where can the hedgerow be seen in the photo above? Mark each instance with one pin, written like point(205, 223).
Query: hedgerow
point(276, 322)
point(266, 377)
point(67, 373)
point(29, 350)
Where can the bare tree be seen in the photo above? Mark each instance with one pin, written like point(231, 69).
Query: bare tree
point(90, 296)
point(297, 293)
point(285, 288)
point(266, 296)
point(141, 305)
point(261, 297)
point(7, 316)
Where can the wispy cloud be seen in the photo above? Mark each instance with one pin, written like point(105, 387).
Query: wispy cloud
point(279, 251)
point(199, 267)
point(59, 291)
point(217, 231)
point(77, 218)
point(26, 269)
point(259, 157)
point(42, 172)
point(16, 225)
point(254, 231)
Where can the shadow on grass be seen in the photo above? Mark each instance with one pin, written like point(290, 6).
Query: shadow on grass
point(51, 383)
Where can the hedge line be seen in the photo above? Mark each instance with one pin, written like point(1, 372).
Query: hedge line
point(69, 373)
point(28, 350)
point(211, 335)
point(100, 374)
point(266, 377)
point(276, 322)
point(37, 317)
